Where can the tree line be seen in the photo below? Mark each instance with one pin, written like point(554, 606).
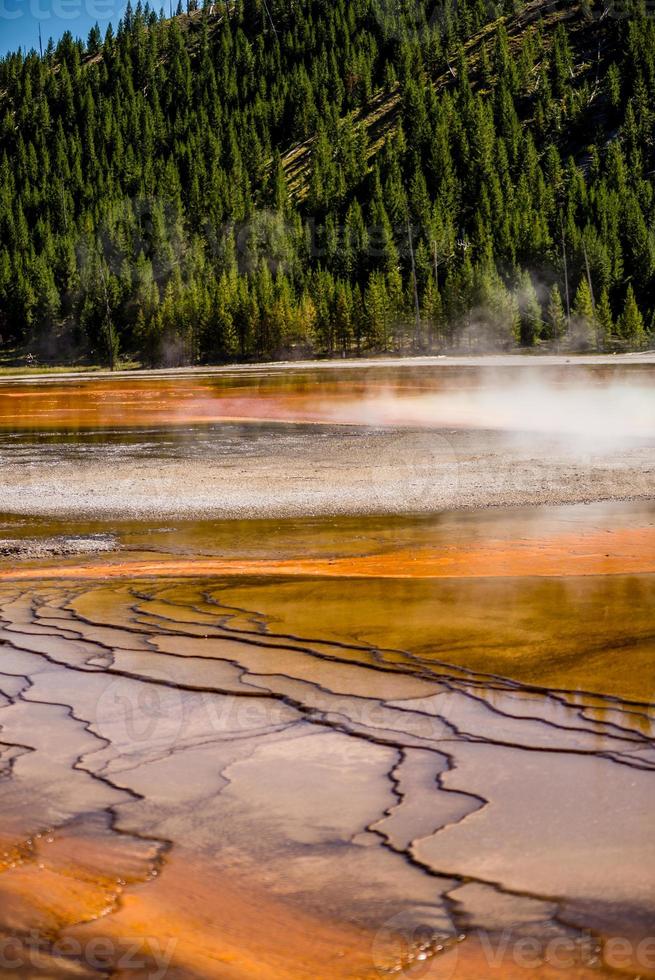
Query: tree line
point(149, 205)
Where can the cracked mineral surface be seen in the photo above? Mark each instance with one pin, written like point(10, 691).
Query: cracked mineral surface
point(417, 743)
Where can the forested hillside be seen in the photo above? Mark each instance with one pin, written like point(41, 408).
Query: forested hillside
point(275, 177)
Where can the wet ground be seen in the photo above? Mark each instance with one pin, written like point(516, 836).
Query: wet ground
point(328, 440)
point(324, 746)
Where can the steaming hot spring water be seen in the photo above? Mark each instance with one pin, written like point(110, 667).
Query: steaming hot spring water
point(329, 671)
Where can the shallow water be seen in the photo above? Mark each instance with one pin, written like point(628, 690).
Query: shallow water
point(563, 397)
point(415, 746)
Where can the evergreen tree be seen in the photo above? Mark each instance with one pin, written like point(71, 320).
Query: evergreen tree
point(585, 317)
point(556, 317)
point(631, 322)
point(530, 311)
point(200, 189)
point(605, 319)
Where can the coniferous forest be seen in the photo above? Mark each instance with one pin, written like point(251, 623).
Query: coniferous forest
point(274, 178)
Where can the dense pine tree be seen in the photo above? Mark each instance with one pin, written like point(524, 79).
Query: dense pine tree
point(242, 181)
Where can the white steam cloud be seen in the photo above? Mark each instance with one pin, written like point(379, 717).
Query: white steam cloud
point(584, 413)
